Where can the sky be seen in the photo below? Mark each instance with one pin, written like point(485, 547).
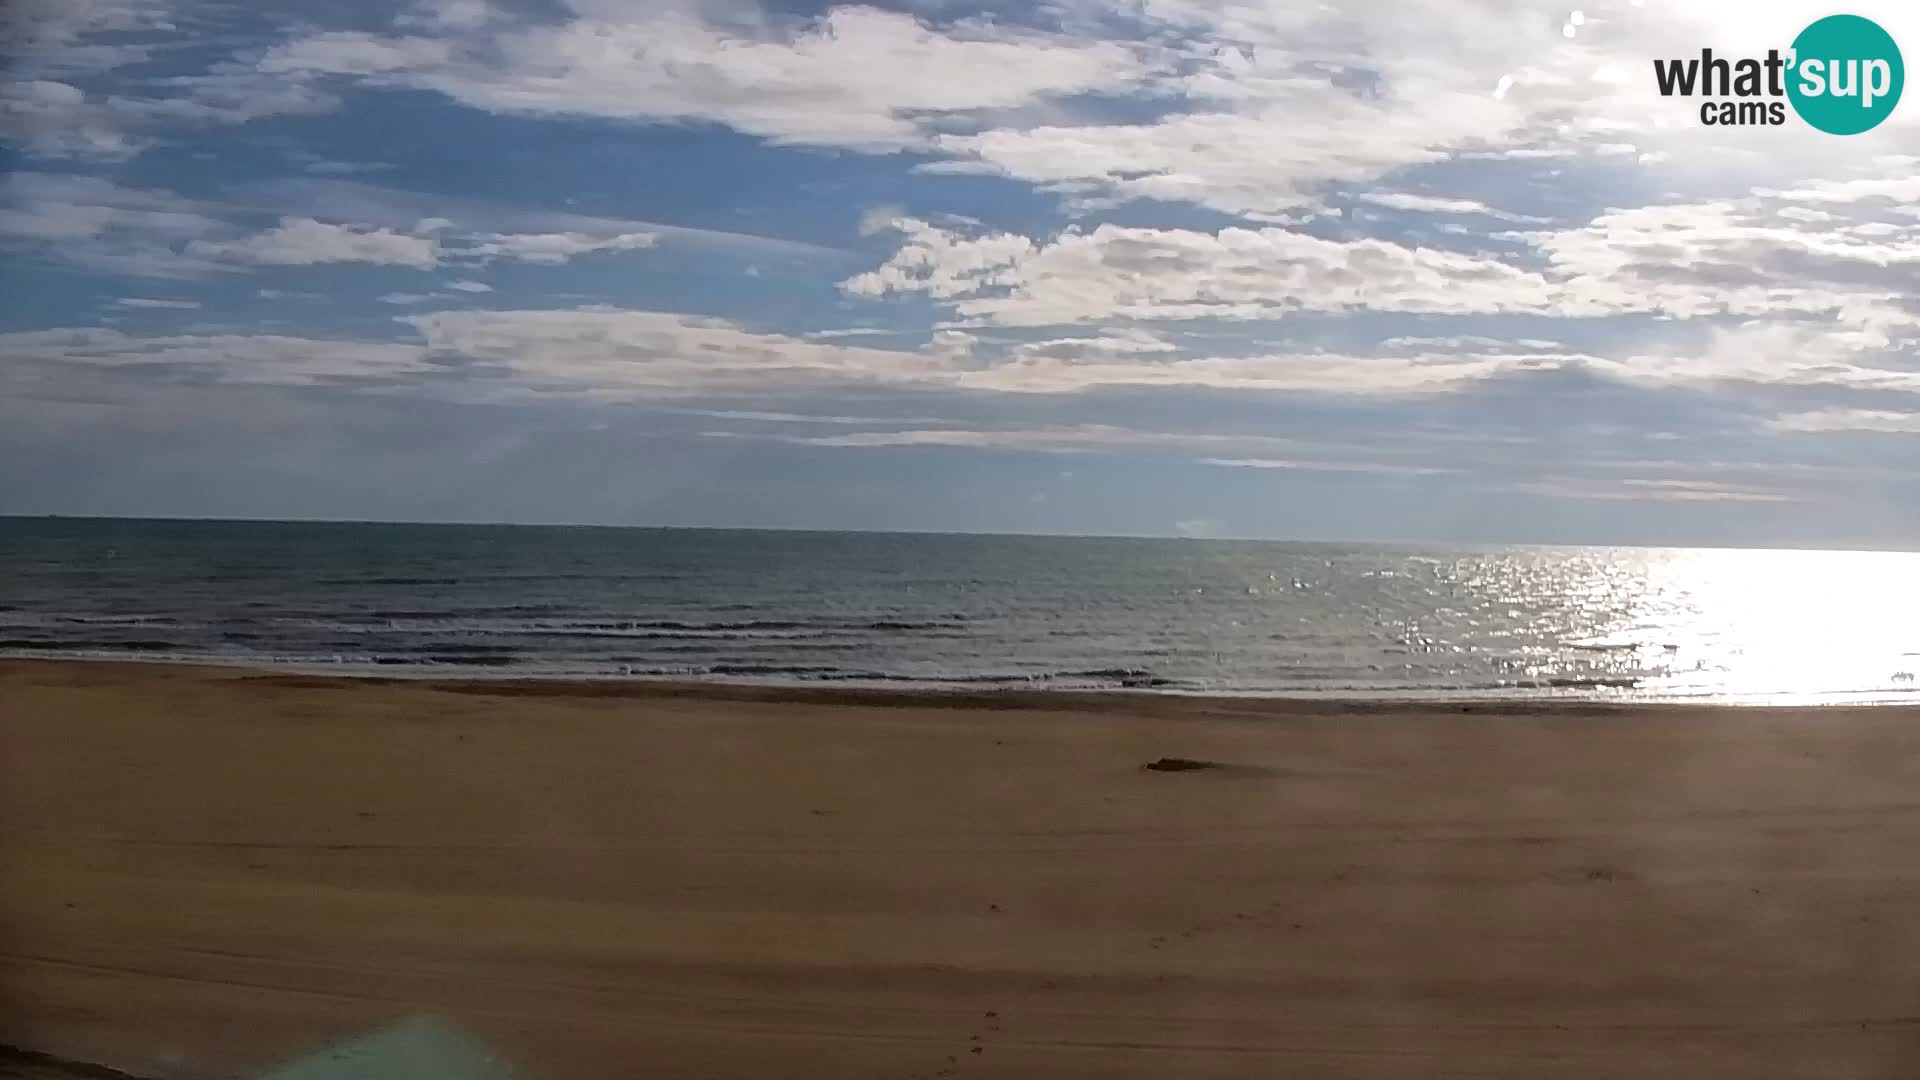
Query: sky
point(1423, 270)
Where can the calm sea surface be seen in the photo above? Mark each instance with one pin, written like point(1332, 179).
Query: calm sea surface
point(851, 608)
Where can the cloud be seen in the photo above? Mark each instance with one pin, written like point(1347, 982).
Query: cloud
point(55, 120)
point(1329, 466)
point(622, 354)
point(607, 354)
point(102, 225)
point(551, 249)
point(1670, 490)
point(1433, 204)
point(1686, 260)
point(762, 416)
point(1077, 438)
point(56, 206)
point(1468, 343)
point(1743, 257)
point(1830, 420)
point(1113, 343)
point(1135, 273)
point(52, 35)
point(345, 168)
point(68, 94)
point(1261, 163)
point(344, 53)
point(305, 242)
point(256, 359)
point(854, 77)
point(470, 286)
point(1310, 455)
point(422, 211)
point(147, 232)
point(1273, 105)
point(144, 302)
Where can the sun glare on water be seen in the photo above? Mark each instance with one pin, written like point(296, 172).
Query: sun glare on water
point(1776, 625)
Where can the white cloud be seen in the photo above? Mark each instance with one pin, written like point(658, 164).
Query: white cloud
point(66, 95)
point(305, 242)
point(145, 302)
point(621, 354)
point(65, 207)
point(1307, 455)
point(762, 416)
point(470, 286)
point(624, 355)
point(1329, 466)
point(1469, 342)
point(404, 298)
point(1264, 107)
point(1114, 343)
point(551, 249)
point(343, 53)
point(603, 355)
point(1830, 420)
point(102, 225)
point(411, 211)
point(1653, 490)
point(1434, 204)
point(856, 77)
point(56, 120)
point(1131, 273)
point(262, 359)
point(41, 35)
point(1261, 163)
point(1276, 103)
point(1259, 108)
point(1738, 257)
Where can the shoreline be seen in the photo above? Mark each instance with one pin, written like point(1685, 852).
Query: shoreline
point(644, 689)
point(906, 692)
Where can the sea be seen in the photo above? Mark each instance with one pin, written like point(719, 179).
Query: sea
point(944, 611)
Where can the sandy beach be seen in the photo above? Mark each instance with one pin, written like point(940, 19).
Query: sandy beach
point(210, 872)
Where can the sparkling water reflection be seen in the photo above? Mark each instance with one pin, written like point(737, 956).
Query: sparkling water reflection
point(1211, 616)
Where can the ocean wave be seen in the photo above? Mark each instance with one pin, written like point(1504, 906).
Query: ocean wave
point(671, 645)
point(1104, 678)
point(1572, 682)
point(39, 620)
point(749, 625)
point(88, 644)
point(443, 614)
point(349, 581)
point(416, 621)
point(451, 659)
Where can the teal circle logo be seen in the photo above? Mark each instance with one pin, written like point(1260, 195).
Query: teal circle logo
point(1847, 75)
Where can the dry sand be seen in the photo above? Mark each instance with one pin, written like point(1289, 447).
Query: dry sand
point(206, 872)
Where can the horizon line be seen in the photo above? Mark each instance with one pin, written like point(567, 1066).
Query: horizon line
point(984, 535)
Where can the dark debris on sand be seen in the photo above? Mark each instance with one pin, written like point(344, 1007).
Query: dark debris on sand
point(1176, 764)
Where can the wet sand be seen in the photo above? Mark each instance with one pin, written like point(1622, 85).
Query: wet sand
point(207, 872)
